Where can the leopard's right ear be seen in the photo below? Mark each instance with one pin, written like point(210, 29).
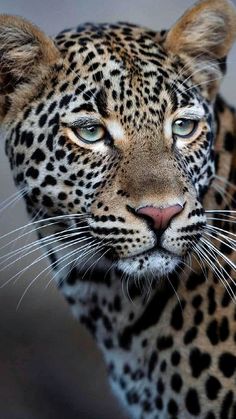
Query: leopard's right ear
point(26, 54)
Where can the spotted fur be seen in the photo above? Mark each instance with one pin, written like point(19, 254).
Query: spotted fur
point(167, 357)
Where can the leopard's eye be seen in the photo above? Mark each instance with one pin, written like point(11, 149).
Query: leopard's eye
point(90, 134)
point(184, 128)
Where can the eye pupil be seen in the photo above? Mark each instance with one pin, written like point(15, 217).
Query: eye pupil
point(91, 129)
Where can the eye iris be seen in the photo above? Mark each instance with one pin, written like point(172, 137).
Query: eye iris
point(91, 134)
point(184, 127)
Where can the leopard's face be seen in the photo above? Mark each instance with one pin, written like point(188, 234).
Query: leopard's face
point(121, 127)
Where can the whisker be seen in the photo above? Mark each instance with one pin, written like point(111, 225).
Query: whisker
point(55, 219)
point(206, 247)
point(36, 245)
point(220, 229)
point(17, 198)
point(40, 258)
point(12, 198)
point(221, 211)
point(224, 180)
point(225, 220)
point(96, 262)
point(44, 270)
point(217, 271)
point(221, 241)
point(90, 246)
point(224, 257)
point(45, 241)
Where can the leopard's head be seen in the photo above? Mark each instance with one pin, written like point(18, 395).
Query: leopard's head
point(116, 122)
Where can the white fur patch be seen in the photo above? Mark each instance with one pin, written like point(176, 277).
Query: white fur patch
point(116, 130)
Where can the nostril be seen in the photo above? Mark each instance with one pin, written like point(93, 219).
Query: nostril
point(135, 212)
point(160, 217)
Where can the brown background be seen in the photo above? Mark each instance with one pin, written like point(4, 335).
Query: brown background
point(49, 366)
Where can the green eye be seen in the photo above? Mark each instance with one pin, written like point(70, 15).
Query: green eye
point(91, 134)
point(184, 127)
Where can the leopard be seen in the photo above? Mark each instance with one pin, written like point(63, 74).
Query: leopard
point(125, 153)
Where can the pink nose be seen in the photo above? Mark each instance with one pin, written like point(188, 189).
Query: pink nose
point(161, 217)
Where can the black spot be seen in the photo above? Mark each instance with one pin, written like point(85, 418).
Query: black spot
point(72, 277)
point(47, 202)
point(101, 102)
point(38, 155)
point(210, 415)
point(32, 172)
point(70, 300)
point(177, 316)
point(224, 329)
point(49, 180)
point(213, 387)
point(39, 108)
point(172, 407)
point(88, 323)
point(229, 142)
point(132, 397)
point(194, 281)
point(190, 335)
point(226, 300)
point(19, 158)
point(212, 302)
point(226, 405)
point(152, 363)
point(164, 342)
point(163, 366)
point(42, 120)
point(212, 332)
point(199, 361)
point(85, 107)
point(60, 154)
point(175, 358)
point(108, 343)
point(27, 138)
point(227, 364)
point(117, 304)
point(176, 382)
point(159, 403)
point(197, 300)
point(192, 402)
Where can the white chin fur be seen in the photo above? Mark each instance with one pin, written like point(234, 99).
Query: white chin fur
point(158, 264)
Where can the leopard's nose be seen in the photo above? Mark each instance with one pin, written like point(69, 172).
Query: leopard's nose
point(160, 217)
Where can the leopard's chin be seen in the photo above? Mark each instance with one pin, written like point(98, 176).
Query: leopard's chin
point(155, 263)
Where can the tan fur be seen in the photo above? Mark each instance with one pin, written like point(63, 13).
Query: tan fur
point(208, 28)
point(205, 34)
point(26, 53)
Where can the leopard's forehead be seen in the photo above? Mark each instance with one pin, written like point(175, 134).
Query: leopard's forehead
point(118, 52)
point(128, 68)
point(122, 42)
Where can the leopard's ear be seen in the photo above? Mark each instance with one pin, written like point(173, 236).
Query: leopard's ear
point(25, 54)
point(205, 33)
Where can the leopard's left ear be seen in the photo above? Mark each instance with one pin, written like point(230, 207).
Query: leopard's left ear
point(26, 56)
point(205, 33)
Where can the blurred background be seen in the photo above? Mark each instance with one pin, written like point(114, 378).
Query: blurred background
point(49, 366)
